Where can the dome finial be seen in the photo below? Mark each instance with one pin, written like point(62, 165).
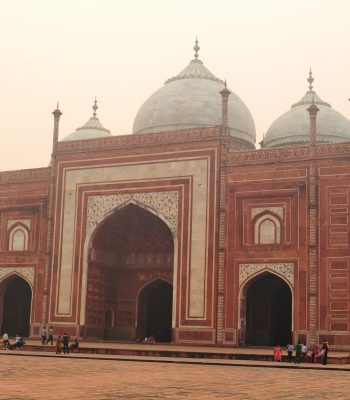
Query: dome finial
point(196, 48)
point(310, 79)
point(95, 107)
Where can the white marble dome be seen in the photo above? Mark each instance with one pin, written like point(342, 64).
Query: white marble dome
point(191, 99)
point(92, 129)
point(293, 127)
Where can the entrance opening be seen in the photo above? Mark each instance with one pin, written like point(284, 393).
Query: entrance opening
point(128, 250)
point(268, 311)
point(155, 311)
point(17, 298)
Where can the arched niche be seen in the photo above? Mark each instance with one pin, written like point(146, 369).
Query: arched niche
point(154, 310)
point(16, 301)
point(267, 229)
point(127, 249)
point(266, 310)
point(18, 238)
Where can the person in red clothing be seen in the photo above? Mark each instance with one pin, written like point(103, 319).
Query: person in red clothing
point(277, 352)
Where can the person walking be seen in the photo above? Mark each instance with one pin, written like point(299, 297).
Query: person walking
point(325, 348)
point(297, 353)
point(65, 341)
point(290, 349)
point(43, 334)
point(50, 336)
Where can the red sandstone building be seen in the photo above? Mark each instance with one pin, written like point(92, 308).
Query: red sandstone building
point(183, 229)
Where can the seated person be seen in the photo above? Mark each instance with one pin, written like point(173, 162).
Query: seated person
point(19, 342)
point(5, 341)
point(151, 340)
point(75, 345)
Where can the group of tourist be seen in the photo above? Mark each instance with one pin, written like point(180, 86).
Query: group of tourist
point(62, 342)
point(6, 345)
point(301, 353)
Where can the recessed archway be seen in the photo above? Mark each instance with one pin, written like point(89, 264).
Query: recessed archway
point(154, 316)
point(128, 250)
point(16, 306)
point(268, 311)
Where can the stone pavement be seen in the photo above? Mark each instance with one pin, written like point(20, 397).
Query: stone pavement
point(61, 377)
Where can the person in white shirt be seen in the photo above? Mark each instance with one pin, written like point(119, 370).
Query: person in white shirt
point(5, 341)
point(304, 351)
point(290, 349)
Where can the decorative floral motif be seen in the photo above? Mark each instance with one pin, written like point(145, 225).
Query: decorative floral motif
point(26, 272)
point(164, 204)
point(270, 154)
point(284, 269)
point(276, 210)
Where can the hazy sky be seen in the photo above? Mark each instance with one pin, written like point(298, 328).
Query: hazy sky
point(122, 51)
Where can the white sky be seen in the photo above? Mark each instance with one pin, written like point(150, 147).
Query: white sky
point(122, 51)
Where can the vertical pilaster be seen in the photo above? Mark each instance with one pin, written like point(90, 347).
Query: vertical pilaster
point(222, 219)
point(313, 237)
point(48, 253)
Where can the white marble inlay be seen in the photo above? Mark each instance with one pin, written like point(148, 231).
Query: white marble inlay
point(197, 168)
point(162, 203)
point(26, 272)
point(284, 269)
point(257, 210)
point(12, 222)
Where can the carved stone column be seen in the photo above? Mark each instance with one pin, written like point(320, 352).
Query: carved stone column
point(49, 238)
point(313, 240)
point(225, 93)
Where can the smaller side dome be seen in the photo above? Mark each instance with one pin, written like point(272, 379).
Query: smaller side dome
point(293, 127)
point(92, 129)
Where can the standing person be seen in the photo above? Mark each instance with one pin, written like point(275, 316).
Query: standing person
point(277, 352)
point(290, 349)
point(297, 353)
point(43, 334)
point(325, 348)
point(59, 345)
point(304, 351)
point(314, 354)
point(50, 336)
point(65, 341)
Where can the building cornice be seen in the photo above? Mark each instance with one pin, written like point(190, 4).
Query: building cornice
point(25, 175)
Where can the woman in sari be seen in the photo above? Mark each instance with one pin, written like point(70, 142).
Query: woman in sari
point(277, 353)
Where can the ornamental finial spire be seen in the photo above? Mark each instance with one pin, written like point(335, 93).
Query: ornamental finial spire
point(196, 48)
point(95, 107)
point(310, 79)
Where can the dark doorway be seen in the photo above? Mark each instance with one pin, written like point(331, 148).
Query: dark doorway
point(155, 311)
point(268, 311)
point(16, 307)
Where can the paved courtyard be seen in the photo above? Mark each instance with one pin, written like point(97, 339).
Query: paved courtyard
point(28, 377)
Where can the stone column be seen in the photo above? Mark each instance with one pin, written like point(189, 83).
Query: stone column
point(313, 239)
point(48, 254)
point(225, 132)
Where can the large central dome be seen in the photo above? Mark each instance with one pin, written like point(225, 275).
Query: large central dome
point(191, 99)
